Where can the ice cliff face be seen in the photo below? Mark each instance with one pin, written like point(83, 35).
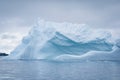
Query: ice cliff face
point(61, 41)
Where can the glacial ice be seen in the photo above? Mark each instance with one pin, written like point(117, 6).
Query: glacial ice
point(66, 41)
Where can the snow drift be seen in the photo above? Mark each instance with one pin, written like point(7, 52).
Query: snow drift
point(66, 41)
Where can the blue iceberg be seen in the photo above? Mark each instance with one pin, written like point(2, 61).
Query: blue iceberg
point(66, 41)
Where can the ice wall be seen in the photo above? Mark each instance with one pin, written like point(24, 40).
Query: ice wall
point(61, 41)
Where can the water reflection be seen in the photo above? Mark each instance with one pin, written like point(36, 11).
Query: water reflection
point(44, 70)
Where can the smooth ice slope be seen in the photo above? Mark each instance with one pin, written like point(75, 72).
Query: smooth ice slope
point(65, 41)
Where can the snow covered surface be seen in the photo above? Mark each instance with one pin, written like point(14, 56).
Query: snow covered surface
point(66, 41)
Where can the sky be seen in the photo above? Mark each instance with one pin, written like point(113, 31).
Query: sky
point(17, 17)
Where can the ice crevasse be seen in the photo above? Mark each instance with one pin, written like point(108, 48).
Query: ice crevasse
point(66, 41)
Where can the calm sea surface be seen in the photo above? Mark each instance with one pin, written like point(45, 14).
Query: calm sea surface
point(49, 70)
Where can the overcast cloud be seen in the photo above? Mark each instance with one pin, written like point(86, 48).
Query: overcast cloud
point(20, 16)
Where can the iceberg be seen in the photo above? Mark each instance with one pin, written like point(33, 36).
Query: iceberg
point(66, 41)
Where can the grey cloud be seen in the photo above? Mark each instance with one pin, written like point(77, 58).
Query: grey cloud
point(96, 13)
point(6, 36)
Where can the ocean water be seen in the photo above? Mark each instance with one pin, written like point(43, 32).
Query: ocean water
point(50, 70)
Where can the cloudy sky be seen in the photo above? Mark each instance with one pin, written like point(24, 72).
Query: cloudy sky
point(17, 17)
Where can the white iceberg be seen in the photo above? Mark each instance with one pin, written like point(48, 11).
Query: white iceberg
point(66, 41)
